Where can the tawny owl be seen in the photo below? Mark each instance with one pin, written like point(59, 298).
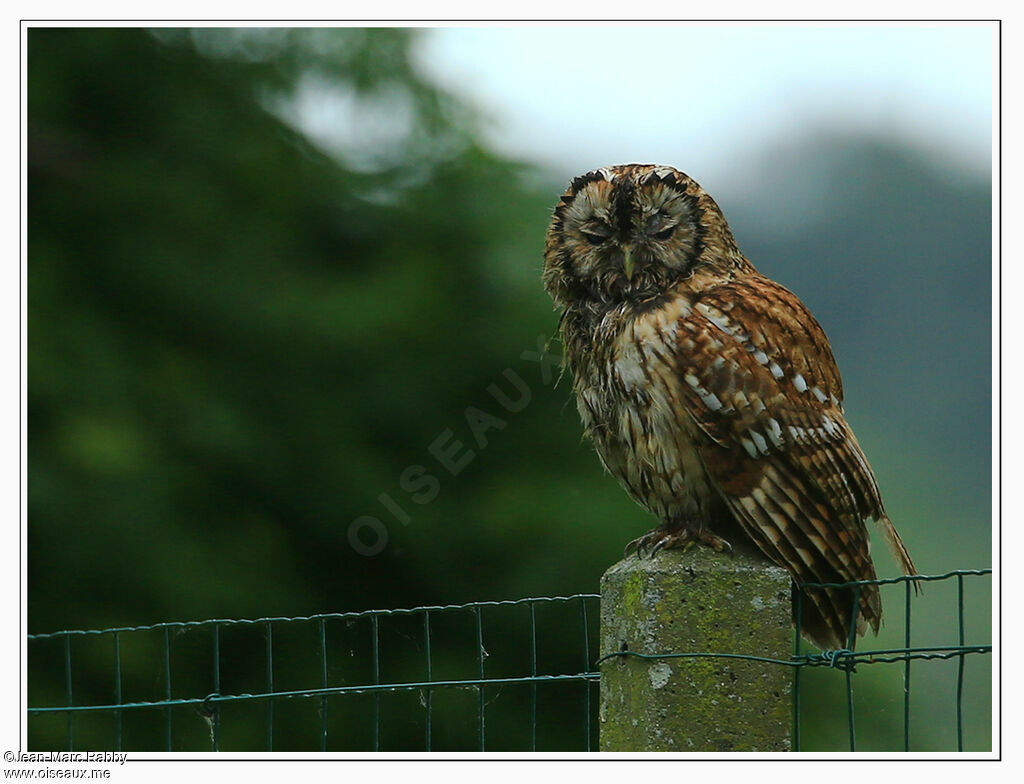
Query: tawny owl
point(709, 391)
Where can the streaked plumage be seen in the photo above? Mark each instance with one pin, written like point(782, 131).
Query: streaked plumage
point(709, 391)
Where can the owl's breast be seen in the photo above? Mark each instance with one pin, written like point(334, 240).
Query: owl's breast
point(629, 400)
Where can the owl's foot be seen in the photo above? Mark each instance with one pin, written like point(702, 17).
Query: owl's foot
point(680, 539)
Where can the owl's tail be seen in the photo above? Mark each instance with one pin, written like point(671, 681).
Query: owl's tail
point(826, 615)
point(896, 546)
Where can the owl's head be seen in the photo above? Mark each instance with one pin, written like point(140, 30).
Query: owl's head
point(628, 233)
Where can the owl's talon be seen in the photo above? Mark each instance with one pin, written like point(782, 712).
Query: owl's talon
point(650, 540)
point(684, 542)
point(716, 543)
point(683, 539)
point(678, 540)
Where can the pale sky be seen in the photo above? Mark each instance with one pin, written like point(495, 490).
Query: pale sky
point(709, 96)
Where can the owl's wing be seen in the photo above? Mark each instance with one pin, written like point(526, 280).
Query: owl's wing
point(759, 378)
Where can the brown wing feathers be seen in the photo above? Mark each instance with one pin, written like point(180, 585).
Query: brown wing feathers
point(781, 453)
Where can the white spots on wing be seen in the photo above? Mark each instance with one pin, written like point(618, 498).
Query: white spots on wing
point(722, 323)
point(762, 445)
point(711, 401)
point(801, 386)
point(806, 435)
point(758, 405)
point(774, 432)
point(830, 426)
point(776, 370)
point(761, 357)
point(717, 318)
point(749, 446)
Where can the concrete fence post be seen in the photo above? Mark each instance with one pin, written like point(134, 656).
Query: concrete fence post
point(696, 602)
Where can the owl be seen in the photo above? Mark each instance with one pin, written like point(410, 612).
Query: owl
point(710, 392)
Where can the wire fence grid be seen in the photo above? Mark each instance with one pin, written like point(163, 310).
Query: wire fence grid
point(490, 676)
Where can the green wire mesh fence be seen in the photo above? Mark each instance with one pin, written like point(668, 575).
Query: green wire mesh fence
point(427, 678)
point(847, 660)
point(495, 676)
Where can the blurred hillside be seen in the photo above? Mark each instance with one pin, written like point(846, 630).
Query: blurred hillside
point(238, 344)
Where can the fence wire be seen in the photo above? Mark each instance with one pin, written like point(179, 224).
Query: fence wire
point(423, 678)
point(847, 659)
point(414, 664)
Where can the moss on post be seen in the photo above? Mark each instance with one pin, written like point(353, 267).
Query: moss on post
point(696, 602)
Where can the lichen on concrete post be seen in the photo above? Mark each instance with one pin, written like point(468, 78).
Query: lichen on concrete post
point(699, 601)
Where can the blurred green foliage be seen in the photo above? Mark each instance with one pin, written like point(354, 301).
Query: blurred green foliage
point(237, 344)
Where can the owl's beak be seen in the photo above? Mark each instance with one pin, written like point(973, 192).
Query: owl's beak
point(628, 262)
